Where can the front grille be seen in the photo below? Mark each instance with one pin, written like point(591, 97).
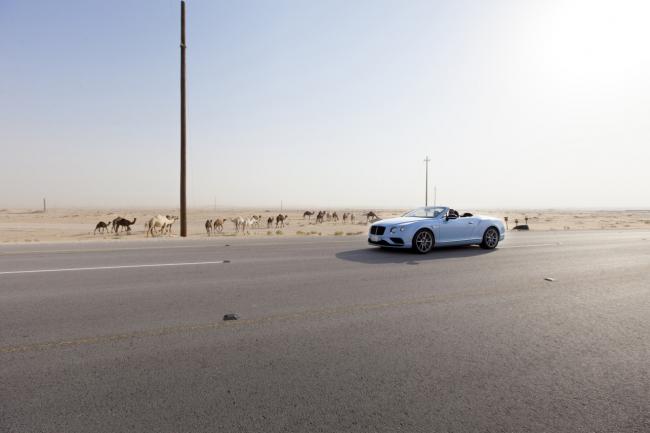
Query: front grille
point(377, 230)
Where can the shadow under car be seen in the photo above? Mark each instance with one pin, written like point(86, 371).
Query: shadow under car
point(379, 256)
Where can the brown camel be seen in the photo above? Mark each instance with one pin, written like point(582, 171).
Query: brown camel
point(320, 216)
point(101, 226)
point(335, 217)
point(279, 220)
point(307, 214)
point(208, 226)
point(124, 223)
point(269, 222)
point(371, 216)
point(114, 226)
point(218, 224)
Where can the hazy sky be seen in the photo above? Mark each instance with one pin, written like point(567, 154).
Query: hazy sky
point(327, 103)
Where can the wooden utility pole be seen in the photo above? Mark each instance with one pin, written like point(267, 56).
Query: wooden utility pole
point(426, 181)
point(183, 127)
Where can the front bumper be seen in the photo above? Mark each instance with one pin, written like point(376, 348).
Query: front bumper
point(387, 241)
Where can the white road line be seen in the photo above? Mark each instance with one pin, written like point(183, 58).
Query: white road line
point(95, 268)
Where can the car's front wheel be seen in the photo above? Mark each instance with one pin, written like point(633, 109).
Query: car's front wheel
point(490, 238)
point(423, 241)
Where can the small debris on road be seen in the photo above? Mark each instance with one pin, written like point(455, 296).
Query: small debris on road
point(227, 245)
point(549, 279)
point(226, 261)
point(230, 316)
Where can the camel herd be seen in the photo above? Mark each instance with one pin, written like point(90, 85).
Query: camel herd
point(323, 216)
point(243, 225)
point(161, 225)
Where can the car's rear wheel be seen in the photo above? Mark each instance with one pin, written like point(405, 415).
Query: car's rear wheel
point(423, 241)
point(490, 238)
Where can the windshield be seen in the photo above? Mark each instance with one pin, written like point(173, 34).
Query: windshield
point(425, 212)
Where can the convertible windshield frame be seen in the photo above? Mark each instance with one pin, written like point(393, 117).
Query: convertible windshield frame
point(426, 212)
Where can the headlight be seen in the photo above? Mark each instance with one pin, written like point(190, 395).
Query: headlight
point(393, 229)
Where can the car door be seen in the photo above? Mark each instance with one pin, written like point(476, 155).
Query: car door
point(452, 230)
point(473, 229)
point(458, 230)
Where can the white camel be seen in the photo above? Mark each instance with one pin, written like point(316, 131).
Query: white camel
point(159, 221)
point(238, 222)
point(254, 222)
point(168, 227)
point(251, 222)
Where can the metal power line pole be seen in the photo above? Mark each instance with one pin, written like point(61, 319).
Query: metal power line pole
point(183, 127)
point(426, 181)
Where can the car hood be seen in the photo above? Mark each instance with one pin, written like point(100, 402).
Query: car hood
point(400, 220)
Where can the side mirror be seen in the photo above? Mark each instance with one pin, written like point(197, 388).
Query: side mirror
point(451, 217)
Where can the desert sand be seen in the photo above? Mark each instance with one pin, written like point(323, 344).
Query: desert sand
point(70, 224)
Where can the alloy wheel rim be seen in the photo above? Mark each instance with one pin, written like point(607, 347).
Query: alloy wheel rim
point(491, 238)
point(423, 241)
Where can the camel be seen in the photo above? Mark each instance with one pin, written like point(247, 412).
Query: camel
point(208, 226)
point(269, 222)
point(159, 221)
point(319, 217)
point(238, 222)
point(168, 226)
point(279, 220)
point(218, 224)
point(335, 217)
point(371, 216)
point(101, 226)
point(351, 218)
point(328, 216)
point(307, 214)
point(114, 225)
point(345, 217)
point(252, 222)
point(124, 223)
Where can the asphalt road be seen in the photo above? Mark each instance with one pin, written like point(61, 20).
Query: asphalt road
point(333, 336)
